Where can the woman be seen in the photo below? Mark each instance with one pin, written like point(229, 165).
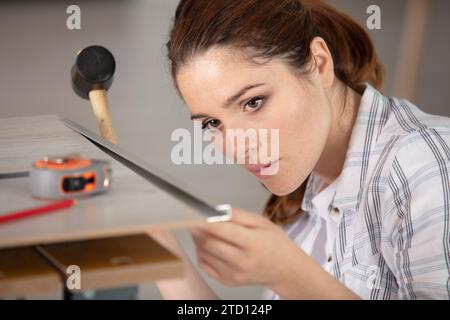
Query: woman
point(361, 201)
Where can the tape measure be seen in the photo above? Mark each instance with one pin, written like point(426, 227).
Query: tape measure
point(69, 177)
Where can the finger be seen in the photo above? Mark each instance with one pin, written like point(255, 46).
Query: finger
point(217, 266)
point(198, 236)
point(224, 251)
point(230, 232)
point(201, 251)
point(247, 218)
point(220, 272)
point(200, 239)
point(203, 264)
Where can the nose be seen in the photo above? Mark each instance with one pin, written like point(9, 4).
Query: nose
point(242, 144)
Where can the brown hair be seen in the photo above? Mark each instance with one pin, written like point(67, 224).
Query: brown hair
point(276, 28)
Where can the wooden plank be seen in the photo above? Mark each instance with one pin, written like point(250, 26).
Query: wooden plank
point(24, 273)
point(132, 205)
point(116, 261)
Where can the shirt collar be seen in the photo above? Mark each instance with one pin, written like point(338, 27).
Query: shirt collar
point(318, 196)
point(310, 192)
point(348, 184)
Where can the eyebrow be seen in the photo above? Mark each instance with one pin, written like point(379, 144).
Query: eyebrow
point(230, 100)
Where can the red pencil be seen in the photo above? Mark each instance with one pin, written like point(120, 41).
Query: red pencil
point(37, 210)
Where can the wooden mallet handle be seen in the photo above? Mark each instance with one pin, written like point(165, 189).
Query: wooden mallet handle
point(99, 102)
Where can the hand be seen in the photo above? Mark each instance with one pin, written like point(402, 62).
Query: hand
point(190, 285)
point(249, 249)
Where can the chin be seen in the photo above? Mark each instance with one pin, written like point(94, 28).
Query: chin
point(280, 188)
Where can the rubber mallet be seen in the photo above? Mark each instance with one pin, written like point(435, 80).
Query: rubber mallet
point(92, 75)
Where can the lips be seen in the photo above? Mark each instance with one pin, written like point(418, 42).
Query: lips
point(258, 167)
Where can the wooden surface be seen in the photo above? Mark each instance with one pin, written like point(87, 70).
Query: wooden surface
point(115, 262)
point(132, 205)
point(24, 273)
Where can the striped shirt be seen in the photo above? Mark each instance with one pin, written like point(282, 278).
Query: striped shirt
point(382, 228)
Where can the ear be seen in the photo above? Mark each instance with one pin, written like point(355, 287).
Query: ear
point(323, 60)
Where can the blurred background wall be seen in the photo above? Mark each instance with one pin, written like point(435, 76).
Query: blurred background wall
point(37, 52)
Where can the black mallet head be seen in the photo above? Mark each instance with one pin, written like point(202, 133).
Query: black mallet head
point(93, 70)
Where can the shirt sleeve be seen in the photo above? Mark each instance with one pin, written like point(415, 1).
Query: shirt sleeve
point(416, 219)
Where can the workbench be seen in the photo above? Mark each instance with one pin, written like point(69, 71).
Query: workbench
point(105, 235)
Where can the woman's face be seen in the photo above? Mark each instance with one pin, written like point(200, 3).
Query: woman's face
point(276, 99)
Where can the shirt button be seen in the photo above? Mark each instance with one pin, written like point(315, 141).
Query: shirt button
point(335, 212)
point(330, 258)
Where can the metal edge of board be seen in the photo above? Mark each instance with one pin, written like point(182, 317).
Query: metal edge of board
point(156, 176)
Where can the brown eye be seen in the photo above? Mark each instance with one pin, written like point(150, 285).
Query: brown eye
point(254, 104)
point(210, 124)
